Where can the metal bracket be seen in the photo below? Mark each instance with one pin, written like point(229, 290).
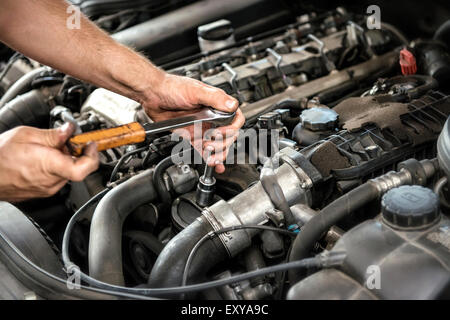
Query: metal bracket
point(328, 63)
point(277, 63)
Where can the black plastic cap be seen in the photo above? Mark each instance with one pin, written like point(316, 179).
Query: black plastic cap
point(215, 31)
point(319, 119)
point(410, 207)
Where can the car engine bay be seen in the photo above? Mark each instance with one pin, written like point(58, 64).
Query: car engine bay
point(345, 161)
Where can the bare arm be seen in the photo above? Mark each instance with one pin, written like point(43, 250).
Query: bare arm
point(38, 29)
point(35, 164)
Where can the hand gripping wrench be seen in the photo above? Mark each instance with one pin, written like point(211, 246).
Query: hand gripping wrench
point(134, 132)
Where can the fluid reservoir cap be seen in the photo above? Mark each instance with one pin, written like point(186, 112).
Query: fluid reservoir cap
point(410, 207)
point(319, 119)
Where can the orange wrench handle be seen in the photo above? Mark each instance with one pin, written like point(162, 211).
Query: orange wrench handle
point(108, 138)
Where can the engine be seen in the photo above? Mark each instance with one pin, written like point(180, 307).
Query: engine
point(342, 164)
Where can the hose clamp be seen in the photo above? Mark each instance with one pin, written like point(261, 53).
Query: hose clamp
point(233, 241)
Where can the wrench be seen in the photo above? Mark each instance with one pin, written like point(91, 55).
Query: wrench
point(134, 132)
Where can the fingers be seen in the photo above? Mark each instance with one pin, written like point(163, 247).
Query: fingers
point(216, 98)
point(237, 123)
point(226, 135)
point(53, 138)
point(54, 189)
point(219, 144)
point(220, 168)
point(74, 169)
point(216, 150)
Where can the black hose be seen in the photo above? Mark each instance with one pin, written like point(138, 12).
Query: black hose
point(20, 86)
point(122, 160)
point(288, 104)
point(443, 33)
point(147, 239)
point(105, 240)
point(394, 30)
point(168, 268)
point(29, 109)
point(328, 216)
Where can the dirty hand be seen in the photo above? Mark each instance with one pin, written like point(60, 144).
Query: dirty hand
point(177, 96)
point(35, 164)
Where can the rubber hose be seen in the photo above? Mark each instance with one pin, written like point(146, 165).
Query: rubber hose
point(147, 239)
point(20, 86)
point(443, 33)
point(324, 220)
point(288, 104)
point(399, 34)
point(169, 267)
point(105, 239)
point(29, 109)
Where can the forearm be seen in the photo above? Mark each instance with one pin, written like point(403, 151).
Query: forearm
point(38, 29)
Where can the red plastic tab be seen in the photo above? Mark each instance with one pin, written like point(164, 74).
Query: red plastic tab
point(407, 62)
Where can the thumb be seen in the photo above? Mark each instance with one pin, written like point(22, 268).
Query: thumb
point(216, 98)
point(56, 138)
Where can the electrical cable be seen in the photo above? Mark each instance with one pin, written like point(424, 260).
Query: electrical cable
point(45, 273)
point(16, 56)
point(216, 233)
point(318, 261)
point(74, 219)
point(122, 160)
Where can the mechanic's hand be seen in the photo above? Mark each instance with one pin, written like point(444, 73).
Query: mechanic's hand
point(177, 96)
point(34, 163)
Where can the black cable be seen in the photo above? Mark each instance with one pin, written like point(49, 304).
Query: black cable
point(216, 233)
point(7, 242)
point(74, 219)
point(317, 261)
point(122, 160)
point(282, 280)
point(149, 154)
point(16, 56)
point(53, 277)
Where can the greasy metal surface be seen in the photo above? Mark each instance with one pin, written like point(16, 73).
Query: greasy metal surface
point(313, 87)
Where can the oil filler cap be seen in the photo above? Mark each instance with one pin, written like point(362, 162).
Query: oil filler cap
point(410, 207)
point(319, 119)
